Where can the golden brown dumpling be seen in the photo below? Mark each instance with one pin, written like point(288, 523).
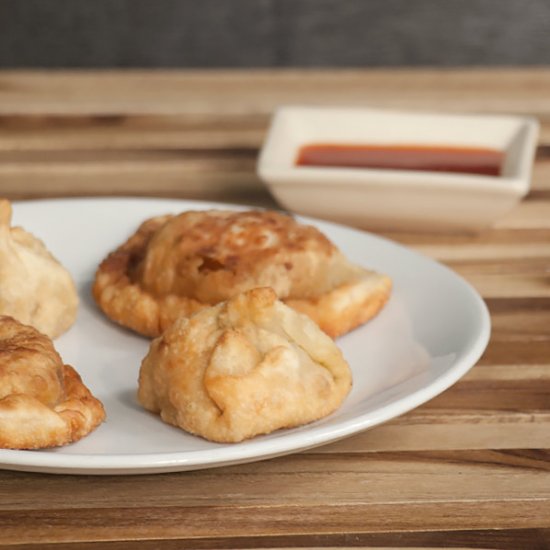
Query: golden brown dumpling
point(245, 367)
point(43, 403)
point(177, 265)
point(34, 287)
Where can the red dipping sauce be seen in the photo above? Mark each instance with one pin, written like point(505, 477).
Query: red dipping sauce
point(429, 158)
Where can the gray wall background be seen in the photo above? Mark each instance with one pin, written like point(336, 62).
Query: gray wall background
point(273, 33)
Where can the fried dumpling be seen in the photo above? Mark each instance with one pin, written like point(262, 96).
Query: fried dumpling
point(177, 265)
point(244, 367)
point(43, 403)
point(35, 288)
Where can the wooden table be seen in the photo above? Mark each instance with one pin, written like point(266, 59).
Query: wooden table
point(471, 468)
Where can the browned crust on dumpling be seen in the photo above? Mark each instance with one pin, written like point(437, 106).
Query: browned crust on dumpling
point(176, 265)
point(348, 306)
point(43, 403)
point(244, 367)
point(122, 298)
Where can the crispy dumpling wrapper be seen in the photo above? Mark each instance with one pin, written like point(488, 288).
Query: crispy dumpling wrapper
point(244, 367)
point(35, 288)
point(43, 403)
point(177, 265)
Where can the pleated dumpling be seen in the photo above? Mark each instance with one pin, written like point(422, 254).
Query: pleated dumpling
point(35, 288)
point(247, 366)
point(43, 403)
point(177, 265)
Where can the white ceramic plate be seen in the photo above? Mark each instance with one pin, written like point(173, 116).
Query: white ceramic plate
point(431, 332)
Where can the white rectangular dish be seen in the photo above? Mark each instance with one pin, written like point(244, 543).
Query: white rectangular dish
point(390, 198)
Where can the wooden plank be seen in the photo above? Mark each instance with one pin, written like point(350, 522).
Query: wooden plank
point(509, 286)
point(192, 523)
point(227, 176)
point(499, 394)
point(369, 493)
point(249, 542)
point(294, 480)
point(502, 539)
point(70, 133)
point(446, 429)
point(528, 214)
point(199, 92)
point(487, 251)
point(439, 426)
point(162, 132)
point(303, 468)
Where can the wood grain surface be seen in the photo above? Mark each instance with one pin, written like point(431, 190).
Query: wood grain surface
point(469, 469)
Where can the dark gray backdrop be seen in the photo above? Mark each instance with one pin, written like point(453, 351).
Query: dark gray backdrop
point(273, 33)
